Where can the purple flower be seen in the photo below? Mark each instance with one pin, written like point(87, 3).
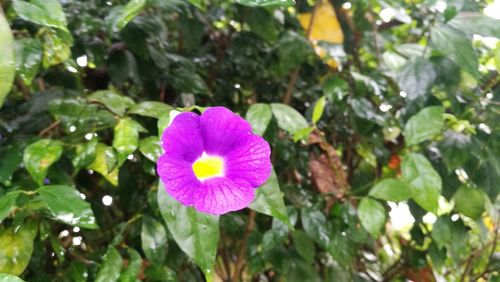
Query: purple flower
point(213, 162)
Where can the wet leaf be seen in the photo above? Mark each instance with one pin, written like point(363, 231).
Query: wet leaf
point(105, 163)
point(288, 118)
point(315, 225)
point(259, 116)
point(304, 245)
point(154, 240)
point(197, 234)
point(7, 62)
point(151, 109)
point(150, 148)
point(43, 12)
point(424, 125)
point(120, 16)
point(441, 231)
point(264, 3)
point(56, 47)
point(391, 190)
point(10, 159)
point(28, 58)
point(85, 154)
point(67, 206)
point(116, 103)
point(372, 216)
point(126, 138)
point(133, 268)
point(469, 201)
point(269, 200)
point(16, 246)
point(9, 278)
point(7, 203)
point(415, 77)
point(39, 156)
point(111, 267)
point(425, 182)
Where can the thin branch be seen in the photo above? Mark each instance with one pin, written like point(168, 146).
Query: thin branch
point(49, 128)
point(243, 248)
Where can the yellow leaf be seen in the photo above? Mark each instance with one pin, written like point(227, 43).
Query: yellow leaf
point(325, 27)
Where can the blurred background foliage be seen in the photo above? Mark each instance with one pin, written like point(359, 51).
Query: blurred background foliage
point(382, 117)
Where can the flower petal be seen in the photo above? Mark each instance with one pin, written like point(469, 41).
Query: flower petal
point(178, 177)
point(183, 139)
point(222, 195)
point(250, 161)
point(222, 130)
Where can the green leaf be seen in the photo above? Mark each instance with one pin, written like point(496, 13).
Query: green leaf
point(67, 206)
point(372, 216)
point(288, 118)
point(111, 267)
point(10, 158)
point(85, 154)
point(441, 231)
point(304, 245)
point(276, 3)
point(7, 62)
point(116, 103)
point(77, 271)
point(302, 134)
point(469, 201)
point(315, 225)
point(424, 125)
point(262, 23)
point(39, 156)
point(391, 190)
point(126, 139)
point(133, 269)
point(105, 163)
point(56, 47)
point(259, 116)
point(151, 109)
point(43, 12)
point(120, 16)
point(28, 58)
point(16, 246)
point(197, 234)
point(497, 57)
point(476, 23)
point(9, 278)
point(425, 182)
point(150, 148)
point(415, 77)
point(455, 45)
point(154, 240)
point(269, 200)
point(7, 203)
point(319, 107)
point(293, 50)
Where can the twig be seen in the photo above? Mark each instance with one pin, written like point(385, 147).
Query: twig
point(287, 98)
point(243, 248)
point(49, 128)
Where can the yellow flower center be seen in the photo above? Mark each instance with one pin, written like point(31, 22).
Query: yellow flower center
point(208, 166)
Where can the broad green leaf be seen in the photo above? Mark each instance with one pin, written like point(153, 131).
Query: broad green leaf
point(288, 118)
point(302, 134)
point(424, 125)
point(425, 182)
point(476, 23)
point(67, 206)
point(150, 148)
point(85, 154)
point(197, 234)
point(9, 278)
point(105, 163)
point(7, 61)
point(7, 203)
point(151, 109)
point(39, 156)
point(77, 271)
point(391, 190)
point(259, 116)
point(28, 58)
point(56, 47)
point(116, 103)
point(154, 240)
point(315, 225)
point(441, 231)
point(16, 246)
point(293, 50)
point(469, 201)
point(319, 107)
point(126, 138)
point(296, 270)
point(10, 158)
point(110, 267)
point(304, 245)
point(120, 16)
point(261, 22)
point(415, 77)
point(43, 12)
point(497, 57)
point(269, 200)
point(364, 109)
point(455, 45)
point(371, 215)
point(276, 3)
point(133, 268)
